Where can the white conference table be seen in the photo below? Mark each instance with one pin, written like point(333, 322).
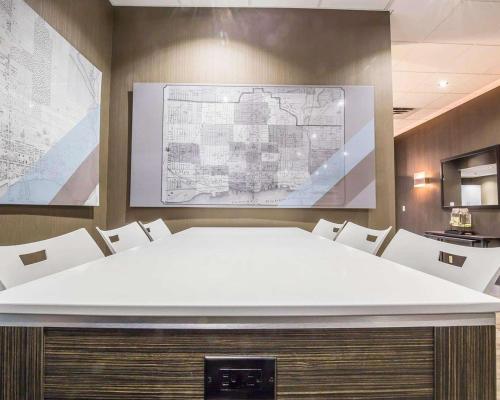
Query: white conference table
point(244, 277)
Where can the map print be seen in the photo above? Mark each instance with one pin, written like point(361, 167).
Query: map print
point(252, 146)
point(49, 114)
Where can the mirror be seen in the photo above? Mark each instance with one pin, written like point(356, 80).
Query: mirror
point(472, 179)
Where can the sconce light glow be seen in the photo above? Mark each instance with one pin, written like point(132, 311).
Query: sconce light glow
point(419, 179)
point(443, 83)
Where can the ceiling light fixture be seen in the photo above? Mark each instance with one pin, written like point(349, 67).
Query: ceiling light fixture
point(443, 83)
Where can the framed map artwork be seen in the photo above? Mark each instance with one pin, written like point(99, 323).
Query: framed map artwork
point(253, 146)
point(50, 98)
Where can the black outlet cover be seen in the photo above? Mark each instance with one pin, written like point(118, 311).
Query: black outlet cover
point(240, 378)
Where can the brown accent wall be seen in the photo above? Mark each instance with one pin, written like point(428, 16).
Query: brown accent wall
point(471, 126)
point(88, 26)
point(260, 46)
point(271, 46)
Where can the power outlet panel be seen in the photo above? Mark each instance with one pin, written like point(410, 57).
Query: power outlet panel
point(240, 378)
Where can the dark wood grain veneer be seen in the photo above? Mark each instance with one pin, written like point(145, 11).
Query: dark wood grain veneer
point(21, 363)
point(444, 363)
point(465, 363)
point(319, 364)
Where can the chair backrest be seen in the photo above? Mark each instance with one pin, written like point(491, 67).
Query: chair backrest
point(155, 230)
point(124, 238)
point(359, 237)
point(327, 229)
point(473, 267)
point(27, 262)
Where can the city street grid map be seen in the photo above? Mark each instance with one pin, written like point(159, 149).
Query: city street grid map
point(252, 146)
point(50, 98)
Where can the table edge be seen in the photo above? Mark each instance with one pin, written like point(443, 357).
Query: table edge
point(247, 322)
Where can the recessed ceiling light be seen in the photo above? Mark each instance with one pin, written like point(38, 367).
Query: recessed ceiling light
point(443, 83)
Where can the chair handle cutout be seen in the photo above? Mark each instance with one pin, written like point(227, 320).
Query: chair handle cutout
point(33, 258)
point(114, 238)
point(371, 238)
point(452, 259)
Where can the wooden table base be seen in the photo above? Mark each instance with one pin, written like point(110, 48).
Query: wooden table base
point(444, 363)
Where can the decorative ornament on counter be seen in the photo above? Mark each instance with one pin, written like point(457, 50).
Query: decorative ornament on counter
point(460, 221)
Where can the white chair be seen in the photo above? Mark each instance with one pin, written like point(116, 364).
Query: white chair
point(124, 238)
point(473, 267)
point(27, 262)
point(327, 229)
point(155, 230)
point(361, 238)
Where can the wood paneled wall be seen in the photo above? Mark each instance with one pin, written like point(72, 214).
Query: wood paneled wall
point(88, 26)
point(267, 46)
point(471, 126)
point(271, 46)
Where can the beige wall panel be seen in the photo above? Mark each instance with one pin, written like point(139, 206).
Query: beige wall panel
point(245, 46)
point(88, 26)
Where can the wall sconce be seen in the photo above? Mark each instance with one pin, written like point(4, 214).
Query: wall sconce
point(419, 179)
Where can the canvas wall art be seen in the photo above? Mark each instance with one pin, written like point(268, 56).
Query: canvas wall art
point(50, 98)
point(253, 146)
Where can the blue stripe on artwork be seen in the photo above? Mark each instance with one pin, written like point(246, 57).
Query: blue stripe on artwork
point(324, 179)
point(43, 181)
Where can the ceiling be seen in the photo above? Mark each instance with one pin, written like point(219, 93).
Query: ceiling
point(456, 42)
point(332, 4)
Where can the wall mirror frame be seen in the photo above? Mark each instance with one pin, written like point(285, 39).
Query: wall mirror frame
point(478, 170)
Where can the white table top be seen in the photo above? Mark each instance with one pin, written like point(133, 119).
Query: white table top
point(243, 272)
